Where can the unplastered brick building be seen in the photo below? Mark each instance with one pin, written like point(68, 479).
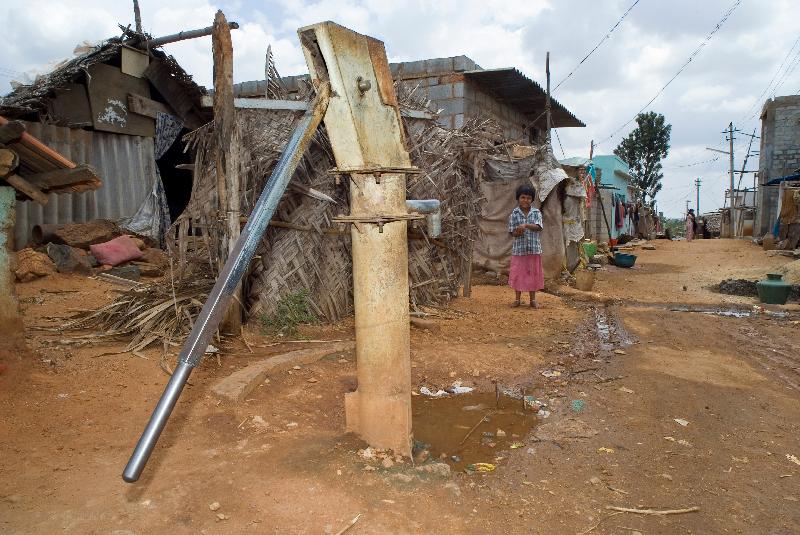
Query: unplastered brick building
point(779, 154)
point(459, 89)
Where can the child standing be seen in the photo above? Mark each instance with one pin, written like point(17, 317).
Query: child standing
point(525, 225)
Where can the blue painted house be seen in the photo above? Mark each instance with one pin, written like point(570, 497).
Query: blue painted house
point(615, 186)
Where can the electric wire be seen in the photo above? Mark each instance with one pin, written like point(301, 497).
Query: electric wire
point(692, 56)
point(599, 43)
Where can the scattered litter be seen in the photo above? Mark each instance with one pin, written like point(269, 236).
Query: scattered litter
point(551, 373)
point(543, 413)
point(605, 450)
point(480, 467)
point(667, 477)
point(428, 392)
point(63, 396)
point(367, 453)
point(681, 421)
point(532, 404)
point(683, 442)
point(577, 405)
point(292, 425)
point(740, 460)
point(214, 506)
point(530, 451)
point(458, 389)
point(455, 458)
point(516, 445)
point(792, 458)
point(500, 433)
point(594, 480)
point(212, 349)
point(312, 380)
point(297, 368)
point(620, 352)
point(671, 439)
point(626, 390)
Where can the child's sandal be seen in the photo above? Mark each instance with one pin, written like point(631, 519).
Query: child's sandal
point(515, 304)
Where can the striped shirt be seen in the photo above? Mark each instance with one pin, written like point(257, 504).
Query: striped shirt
point(529, 242)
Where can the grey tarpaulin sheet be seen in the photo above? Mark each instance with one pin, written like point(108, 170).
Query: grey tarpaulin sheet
point(502, 178)
point(152, 217)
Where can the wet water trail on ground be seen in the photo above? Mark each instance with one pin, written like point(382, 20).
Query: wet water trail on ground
point(471, 428)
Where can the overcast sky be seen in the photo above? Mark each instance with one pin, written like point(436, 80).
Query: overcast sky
point(727, 81)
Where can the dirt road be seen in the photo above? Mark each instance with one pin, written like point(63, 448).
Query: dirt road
point(650, 407)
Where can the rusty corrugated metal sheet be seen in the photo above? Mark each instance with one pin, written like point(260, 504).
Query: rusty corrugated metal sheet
point(125, 165)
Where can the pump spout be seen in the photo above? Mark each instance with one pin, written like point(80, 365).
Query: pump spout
point(433, 214)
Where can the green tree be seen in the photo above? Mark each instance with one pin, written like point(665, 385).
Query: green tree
point(643, 150)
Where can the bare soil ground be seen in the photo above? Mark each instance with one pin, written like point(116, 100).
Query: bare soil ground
point(280, 463)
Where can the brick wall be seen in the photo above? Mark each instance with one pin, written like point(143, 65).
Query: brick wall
point(779, 153)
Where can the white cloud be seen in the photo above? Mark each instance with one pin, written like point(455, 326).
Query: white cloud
point(722, 84)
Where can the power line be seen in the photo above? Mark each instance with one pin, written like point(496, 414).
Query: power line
point(563, 154)
point(789, 71)
point(592, 51)
point(774, 76)
point(714, 159)
point(693, 55)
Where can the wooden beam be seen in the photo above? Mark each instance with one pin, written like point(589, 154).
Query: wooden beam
point(227, 156)
point(147, 106)
point(81, 175)
point(260, 103)
point(22, 185)
point(299, 105)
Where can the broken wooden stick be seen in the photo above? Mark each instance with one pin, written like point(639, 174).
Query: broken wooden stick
point(653, 511)
point(474, 427)
point(350, 525)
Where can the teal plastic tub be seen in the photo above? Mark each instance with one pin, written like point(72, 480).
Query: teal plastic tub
point(624, 260)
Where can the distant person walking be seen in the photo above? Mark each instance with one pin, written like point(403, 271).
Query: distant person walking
point(691, 225)
point(525, 225)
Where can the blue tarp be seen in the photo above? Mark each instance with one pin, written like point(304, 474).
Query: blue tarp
point(777, 181)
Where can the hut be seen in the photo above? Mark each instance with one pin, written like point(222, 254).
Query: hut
point(119, 107)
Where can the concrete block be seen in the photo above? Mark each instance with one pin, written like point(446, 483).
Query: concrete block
point(440, 92)
point(458, 89)
point(238, 385)
point(439, 65)
point(451, 106)
point(463, 63)
point(412, 68)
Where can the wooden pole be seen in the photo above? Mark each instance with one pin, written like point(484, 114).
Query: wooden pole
point(227, 156)
point(137, 16)
point(547, 103)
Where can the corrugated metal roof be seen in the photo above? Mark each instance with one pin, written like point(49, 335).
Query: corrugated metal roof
point(515, 89)
point(125, 164)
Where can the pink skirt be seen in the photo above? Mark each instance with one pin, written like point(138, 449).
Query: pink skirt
point(526, 274)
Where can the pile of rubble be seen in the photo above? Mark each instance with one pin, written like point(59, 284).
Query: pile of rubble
point(99, 247)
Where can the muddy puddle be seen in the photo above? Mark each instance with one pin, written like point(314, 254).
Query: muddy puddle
point(471, 428)
point(729, 312)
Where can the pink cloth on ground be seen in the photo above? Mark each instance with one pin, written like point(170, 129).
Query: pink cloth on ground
point(526, 274)
point(116, 251)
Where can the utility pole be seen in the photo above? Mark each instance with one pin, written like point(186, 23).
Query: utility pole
point(730, 155)
point(137, 16)
point(687, 205)
point(591, 150)
point(547, 102)
point(697, 202)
